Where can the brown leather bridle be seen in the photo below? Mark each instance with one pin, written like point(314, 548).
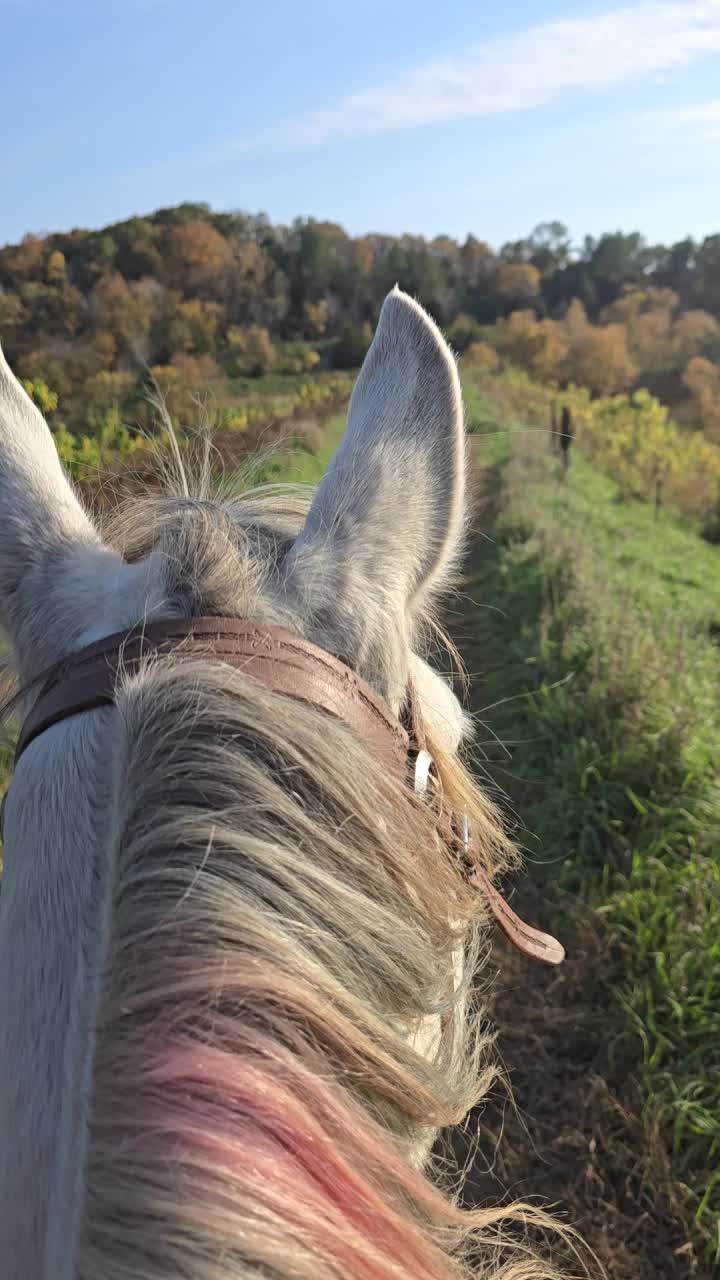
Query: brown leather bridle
point(289, 665)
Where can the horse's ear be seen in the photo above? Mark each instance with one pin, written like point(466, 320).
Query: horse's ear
point(386, 524)
point(59, 585)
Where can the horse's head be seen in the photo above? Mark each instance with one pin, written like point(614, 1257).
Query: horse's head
point(232, 999)
point(354, 574)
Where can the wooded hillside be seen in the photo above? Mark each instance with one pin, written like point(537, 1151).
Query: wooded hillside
point(196, 295)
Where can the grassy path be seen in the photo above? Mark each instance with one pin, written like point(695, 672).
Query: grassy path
point(591, 632)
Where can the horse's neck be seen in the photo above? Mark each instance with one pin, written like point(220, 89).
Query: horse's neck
point(52, 912)
point(53, 927)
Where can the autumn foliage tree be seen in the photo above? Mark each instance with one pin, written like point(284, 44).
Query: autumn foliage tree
point(253, 351)
point(518, 283)
point(121, 309)
point(200, 256)
point(195, 326)
point(691, 332)
point(481, 356)
point(613, 314)
point(702, 379)
point(638, 443)
point(540, 346)
point(599, 359)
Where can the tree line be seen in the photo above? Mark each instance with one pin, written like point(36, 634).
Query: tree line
point(195, 296)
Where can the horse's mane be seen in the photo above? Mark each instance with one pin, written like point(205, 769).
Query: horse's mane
point(283, 920)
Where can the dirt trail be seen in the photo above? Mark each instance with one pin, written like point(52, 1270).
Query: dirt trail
point(576, 1141)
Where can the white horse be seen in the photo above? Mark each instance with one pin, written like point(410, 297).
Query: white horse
point(233, 1009)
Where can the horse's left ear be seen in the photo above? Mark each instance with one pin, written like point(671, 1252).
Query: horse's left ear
point(386, 525)
point(59, 586)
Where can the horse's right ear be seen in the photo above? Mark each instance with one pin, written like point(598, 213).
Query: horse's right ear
point(386, 524)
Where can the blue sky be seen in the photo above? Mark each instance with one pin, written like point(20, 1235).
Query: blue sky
point(383, 115)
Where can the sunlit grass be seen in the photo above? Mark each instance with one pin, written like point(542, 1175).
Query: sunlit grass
point(604, 636)
point(308, 466)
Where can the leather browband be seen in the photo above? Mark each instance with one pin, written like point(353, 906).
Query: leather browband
point(278, 659)
point(286, 664)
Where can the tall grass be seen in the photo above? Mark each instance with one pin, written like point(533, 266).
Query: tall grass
point(601, 661)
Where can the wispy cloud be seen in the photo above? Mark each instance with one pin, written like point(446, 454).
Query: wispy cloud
point(518, 72)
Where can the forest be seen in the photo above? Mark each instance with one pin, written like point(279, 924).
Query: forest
point(191, 301)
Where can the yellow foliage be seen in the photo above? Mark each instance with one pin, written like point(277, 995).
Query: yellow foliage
point(104, 348)
point(317, 315)
point(180, 383)
point(107, 388)
point(518, 281)
point(40, 365)
point(599, 359)
point(41, 394)
point(702, 379)
point(626, 309)
point(123, 310)
point(634, 440)
point(702, 376)
point(25, 259)
point(576, 321)
point(253, 349)
point(635, 302)
point(200, 250)
point(55, 267)
point(649, 337)
point(195, 326)
point(258, 351)
point(648, 317)
point(539, 346)
point(482, 356)
point(690, 329)
point(638, 443)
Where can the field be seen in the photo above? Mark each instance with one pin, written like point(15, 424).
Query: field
point(590, 626)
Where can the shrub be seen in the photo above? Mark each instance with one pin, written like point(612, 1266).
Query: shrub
point(482, 356)
point(41, 395)
point(352, 346)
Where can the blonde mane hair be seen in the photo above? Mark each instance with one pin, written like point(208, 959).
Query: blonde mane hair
point(239, 993)
point(280, 924)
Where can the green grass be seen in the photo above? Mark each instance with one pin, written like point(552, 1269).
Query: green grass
point(600, 657)
point(480, 413)
point(660, 560)
point(294, 464)
point(277, 384)
point(268, 385)
point(306, 467)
